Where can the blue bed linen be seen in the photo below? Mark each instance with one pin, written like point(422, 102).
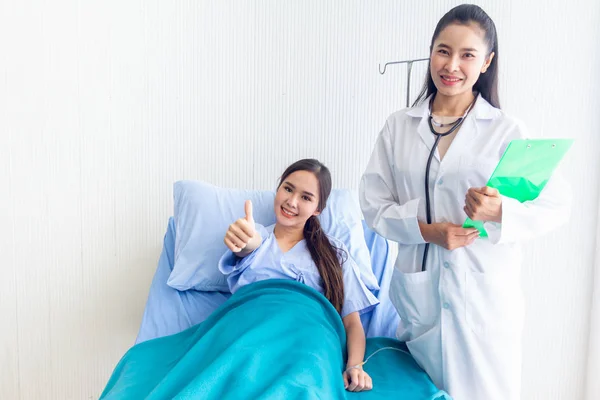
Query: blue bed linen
point(273, 339)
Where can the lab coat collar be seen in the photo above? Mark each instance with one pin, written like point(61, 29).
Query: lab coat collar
point(481, 110)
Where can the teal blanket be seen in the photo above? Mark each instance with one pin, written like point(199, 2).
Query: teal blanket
point(274, 339)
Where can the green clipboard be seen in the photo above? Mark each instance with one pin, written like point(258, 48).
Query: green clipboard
point(524, 169)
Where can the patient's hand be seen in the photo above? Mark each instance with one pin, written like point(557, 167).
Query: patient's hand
point(357, 380)
point(242, 237)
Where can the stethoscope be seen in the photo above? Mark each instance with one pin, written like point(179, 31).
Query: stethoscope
point(455, 125)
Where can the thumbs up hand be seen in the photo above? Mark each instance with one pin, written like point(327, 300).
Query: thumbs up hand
point(242, 237)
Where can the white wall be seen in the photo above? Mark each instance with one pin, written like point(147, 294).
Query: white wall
point(104, 104)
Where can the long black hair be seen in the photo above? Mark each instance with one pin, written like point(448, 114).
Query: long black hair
point(323, 253)
point(487, 84)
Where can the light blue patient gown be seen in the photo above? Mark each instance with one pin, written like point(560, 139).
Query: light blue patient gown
point(269, 262)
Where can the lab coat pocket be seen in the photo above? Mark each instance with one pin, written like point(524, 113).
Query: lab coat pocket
point(493, 303)
point(413, 295)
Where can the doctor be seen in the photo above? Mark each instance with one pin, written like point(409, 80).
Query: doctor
point(461, 305)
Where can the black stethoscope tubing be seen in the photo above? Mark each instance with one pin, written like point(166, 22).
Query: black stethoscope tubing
point(438, 136)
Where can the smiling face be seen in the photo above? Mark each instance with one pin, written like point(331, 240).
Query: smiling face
point(459, 55)
point(297, 199)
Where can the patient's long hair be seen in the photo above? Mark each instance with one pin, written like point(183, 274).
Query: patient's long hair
point(324, 254)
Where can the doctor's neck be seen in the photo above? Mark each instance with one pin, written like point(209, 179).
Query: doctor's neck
point(452, 106)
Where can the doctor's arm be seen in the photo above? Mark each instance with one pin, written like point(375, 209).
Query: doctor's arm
point(510, 221)
point(399, 222)
point(507, 220)
point(447, 235)
point(378, 199)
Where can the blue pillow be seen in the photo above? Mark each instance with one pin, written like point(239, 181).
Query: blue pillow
point(203, 213)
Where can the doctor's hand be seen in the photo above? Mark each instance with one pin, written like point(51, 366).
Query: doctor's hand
point(357, 380)
point(447, 235)
point(242, 237)
point(483, 204)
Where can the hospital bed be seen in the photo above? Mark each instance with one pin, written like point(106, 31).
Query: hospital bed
point(191, 342)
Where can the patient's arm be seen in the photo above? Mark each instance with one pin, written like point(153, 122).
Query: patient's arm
point(356, 339)
point(355, 379)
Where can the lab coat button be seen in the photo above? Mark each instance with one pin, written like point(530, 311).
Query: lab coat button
point(446, 306)
point(441, 181)
point(446, 264)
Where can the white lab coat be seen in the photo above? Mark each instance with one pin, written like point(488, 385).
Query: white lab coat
point(462, 317)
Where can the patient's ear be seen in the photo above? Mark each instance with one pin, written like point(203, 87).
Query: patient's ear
point(317, 212)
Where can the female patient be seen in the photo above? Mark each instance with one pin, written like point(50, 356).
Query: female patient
point(297, 248)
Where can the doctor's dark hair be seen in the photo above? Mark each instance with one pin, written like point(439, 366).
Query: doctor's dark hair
point(487, 84)
point(324, 254)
